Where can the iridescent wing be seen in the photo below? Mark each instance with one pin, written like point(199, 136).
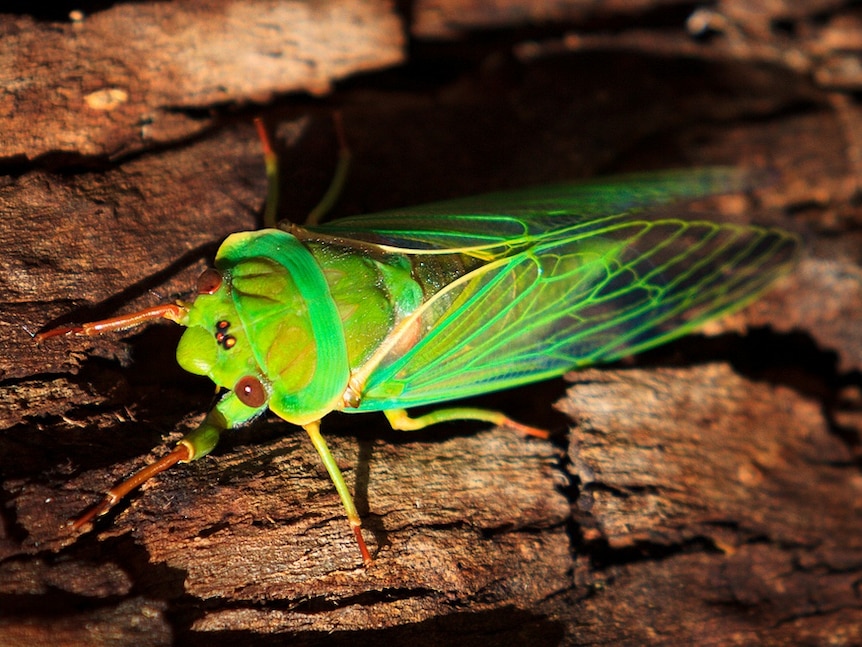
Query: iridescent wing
point(571, 276)
point(494, 224)
point(569, 303)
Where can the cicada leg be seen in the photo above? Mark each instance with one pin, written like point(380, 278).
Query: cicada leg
point(172, 311)
point(119, 491)
point(320, 445)
point(336, 186)
point(193, 445)
point(270, 160)
point(399, 419)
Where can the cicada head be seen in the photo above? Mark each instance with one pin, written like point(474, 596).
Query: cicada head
point(264, 325)
point(217, 345)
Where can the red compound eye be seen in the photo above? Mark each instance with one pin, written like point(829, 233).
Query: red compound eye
point(250, 392)
point(209, 281)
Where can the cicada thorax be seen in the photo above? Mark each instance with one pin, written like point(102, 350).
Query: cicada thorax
point(387, 300)
point(371, 293)
point(392, 294)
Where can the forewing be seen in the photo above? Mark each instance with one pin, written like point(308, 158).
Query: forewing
point(568, 302)
point(491, 226)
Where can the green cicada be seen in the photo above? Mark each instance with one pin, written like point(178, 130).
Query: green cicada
point(424, 305)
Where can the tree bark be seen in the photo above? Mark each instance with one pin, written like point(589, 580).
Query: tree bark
point(704, 493)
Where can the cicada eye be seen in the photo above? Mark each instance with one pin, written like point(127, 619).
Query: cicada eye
point(250, 392)
point(209, 281)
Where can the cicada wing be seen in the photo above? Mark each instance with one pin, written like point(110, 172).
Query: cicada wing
point(492, 225)
point(567, 303)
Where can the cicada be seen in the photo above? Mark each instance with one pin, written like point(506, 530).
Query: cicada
point(425, 305)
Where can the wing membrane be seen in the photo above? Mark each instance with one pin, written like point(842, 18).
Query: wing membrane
point(565, 302)
point(494, 225)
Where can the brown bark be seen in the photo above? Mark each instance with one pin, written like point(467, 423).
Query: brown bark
point(131, 77)
point(707, 493)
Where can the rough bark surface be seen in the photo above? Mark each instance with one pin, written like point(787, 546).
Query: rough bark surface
point(133, 76)
point(705, 493)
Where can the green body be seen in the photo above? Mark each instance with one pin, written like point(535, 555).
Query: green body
point(425, 305)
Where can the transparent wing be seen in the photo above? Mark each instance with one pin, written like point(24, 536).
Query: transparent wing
point(493, 225)
point(566, 302)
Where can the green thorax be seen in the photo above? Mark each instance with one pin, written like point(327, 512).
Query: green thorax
point(298, 317)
